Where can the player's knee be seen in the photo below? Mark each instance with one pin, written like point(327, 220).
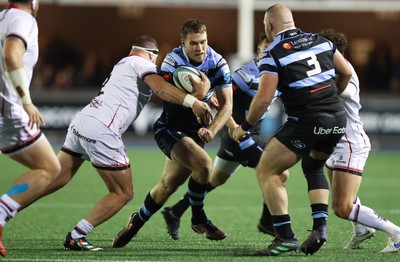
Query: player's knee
point(128, 196)
point(284, 176)
point(313, 170)
point(206, 169)
point(260, 172)
point(202, 173)
point(54, 169)
point(48, 173)
point(342, 209)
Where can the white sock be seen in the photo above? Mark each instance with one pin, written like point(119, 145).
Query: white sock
point(368, 217)
point(358, 228)
point(8, 209)
point(81, 229)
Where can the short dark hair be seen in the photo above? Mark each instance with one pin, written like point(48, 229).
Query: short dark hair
point(145, 41)
point(193, 26)
point(337, 38)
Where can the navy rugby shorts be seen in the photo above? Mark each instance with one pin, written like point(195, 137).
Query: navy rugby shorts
point(318, 131)
point(166, 137)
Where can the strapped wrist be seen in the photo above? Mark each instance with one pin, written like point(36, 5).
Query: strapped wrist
point(20, 83)
point(246, 125)
point(189, 101)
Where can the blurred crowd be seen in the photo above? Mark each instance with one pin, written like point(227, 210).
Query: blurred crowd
point(61, 67)
point(382, 72)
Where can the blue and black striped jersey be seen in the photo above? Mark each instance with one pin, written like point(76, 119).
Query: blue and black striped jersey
point(245, 83)
point(214, 67)
point(304, 64)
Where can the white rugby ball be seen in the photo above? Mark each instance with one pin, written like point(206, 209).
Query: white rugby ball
point(182, 80)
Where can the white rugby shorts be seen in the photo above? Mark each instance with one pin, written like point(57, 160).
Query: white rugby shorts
point(348, 162)
point(16, 136)
point(92, 140)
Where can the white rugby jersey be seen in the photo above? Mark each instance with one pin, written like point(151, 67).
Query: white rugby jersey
point(19, 23)
point(123, 95)
point(355, 138)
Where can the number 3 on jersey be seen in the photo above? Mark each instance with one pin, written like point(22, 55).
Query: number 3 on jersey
point(312, 61)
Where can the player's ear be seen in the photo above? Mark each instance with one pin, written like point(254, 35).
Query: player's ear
point(182, 42)
point(271, 26)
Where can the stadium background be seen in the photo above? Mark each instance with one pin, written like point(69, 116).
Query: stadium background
point(81, 40)
point(74, 34)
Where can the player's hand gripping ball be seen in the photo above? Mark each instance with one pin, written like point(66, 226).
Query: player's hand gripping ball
point(182, 80)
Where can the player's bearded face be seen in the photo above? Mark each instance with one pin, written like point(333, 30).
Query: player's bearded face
point(195, 46)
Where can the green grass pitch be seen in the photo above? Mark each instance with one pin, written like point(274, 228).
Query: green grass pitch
point(37, 233)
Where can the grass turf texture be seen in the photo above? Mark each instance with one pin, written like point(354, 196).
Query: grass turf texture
point(37, 233)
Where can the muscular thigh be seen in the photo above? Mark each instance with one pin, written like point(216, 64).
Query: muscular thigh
point(39, 155)
point(174, 174)
point(277, 158)
point(189, 154)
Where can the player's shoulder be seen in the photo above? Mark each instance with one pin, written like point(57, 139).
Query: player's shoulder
point(15, 14)
point(214, 55)
point(174, 59)
point(247, 72)
point(136, 63)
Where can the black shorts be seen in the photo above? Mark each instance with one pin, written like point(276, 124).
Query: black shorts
point(248, 152)
point(167, 136)
point(318, 131)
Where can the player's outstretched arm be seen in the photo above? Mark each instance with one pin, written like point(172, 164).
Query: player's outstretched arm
point(171, 94)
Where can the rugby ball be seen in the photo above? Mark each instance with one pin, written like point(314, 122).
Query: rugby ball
point(182, 80)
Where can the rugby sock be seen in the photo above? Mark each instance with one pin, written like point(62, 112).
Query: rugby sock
point(149, 208)
point(81, 229)
point(183, 204)
point(266, 218)
point(358, 229)
point(197, 193)
point(282, 226)
point(319, 214)
point(371, 218)
point(8, 209)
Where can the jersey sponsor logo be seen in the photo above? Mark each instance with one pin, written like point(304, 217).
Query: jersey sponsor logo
point(169, 60)
point(246, 77)
point(327, 131)
point(287, 46)
point(77, 134)
point(96, 102)
point(341, 160)
point(303, 41)
point(298, 144)
point(227, 78)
